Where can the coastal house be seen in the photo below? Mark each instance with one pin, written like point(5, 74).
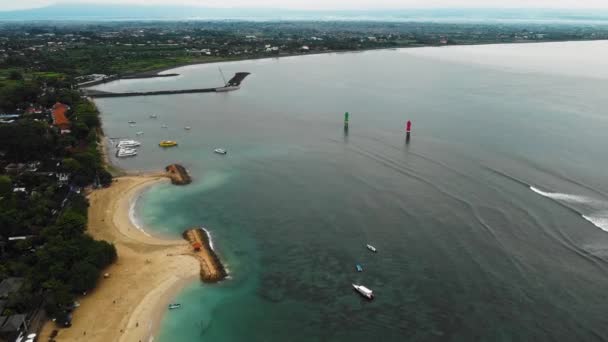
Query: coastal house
point(62, 177)
point(11, 326)
point(9, 286)
point(60, 119)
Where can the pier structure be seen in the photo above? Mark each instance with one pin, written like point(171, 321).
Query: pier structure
point(233, 84)
point(212, 269)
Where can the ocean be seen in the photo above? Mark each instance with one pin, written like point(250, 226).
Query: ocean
point(490, 223)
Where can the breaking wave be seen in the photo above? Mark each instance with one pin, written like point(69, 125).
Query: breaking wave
point(600, 221)
point(135, 220)
point(564, 197)
point(598, 218)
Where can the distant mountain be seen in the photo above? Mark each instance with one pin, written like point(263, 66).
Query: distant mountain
point(93, 12)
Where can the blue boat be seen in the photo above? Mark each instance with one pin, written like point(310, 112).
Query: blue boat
point(359, 268)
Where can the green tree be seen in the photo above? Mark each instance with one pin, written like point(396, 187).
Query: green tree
point(15, 75)
point(71, 224)
point(71, 165)
point(84, 276)
point(6, 186)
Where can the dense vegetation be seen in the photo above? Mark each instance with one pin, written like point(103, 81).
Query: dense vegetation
point(58, 260)
point(80, 48)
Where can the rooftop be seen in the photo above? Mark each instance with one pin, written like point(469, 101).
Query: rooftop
point(59, 118)
point(10, 285)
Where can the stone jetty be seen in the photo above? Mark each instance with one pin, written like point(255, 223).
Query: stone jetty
point(212, 269)
point(178, 174)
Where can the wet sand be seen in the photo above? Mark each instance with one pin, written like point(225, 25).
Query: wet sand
point(129, 304)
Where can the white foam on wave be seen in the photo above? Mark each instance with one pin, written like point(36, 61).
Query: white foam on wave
point(133, 217)
point(564, 197)
point(213, 249)
point(209, 238)
point(599, 220)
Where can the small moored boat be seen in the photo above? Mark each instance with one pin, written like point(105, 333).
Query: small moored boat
point(187, 128)
point(153, 116)
point(128, 143)
point(167, 143)
point(164, 126)
point(126, 152)
point(220, 151)
point(372, 248)
point(364, 291)
point(174, 306)
point(139, 133)
point(131, 122)
point(359, 268)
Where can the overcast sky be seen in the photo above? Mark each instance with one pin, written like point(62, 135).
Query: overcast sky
point(331, 4)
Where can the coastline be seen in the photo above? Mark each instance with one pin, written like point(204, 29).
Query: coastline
point(149, 272)
point(157, 72)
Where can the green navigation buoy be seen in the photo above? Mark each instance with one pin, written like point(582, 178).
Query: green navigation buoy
point(346, 120)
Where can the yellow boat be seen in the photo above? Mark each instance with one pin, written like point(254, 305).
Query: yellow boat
point(167, 143)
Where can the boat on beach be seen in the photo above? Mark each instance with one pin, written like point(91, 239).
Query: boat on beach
point(174, 306)
point(220, 151)
point(364, 291)
point(128, 143)
point(372, 248)
point(167, 143)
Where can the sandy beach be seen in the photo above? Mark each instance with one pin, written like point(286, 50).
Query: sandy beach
point(129, 304)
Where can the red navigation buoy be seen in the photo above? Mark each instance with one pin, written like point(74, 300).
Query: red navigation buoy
point(408, 126)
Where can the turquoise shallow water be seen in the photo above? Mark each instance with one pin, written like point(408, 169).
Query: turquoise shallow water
point(467, 249)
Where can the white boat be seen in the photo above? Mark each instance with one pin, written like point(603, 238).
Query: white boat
point(372, 248)
point(164, 126)
point(220, 151)
point(131, 121)
point(364, 291)
point(187, 128)
point(128, 143)
point(139, 133)
point(153, 116)
point(132, 125)
point(174, 306)
point(126, 152)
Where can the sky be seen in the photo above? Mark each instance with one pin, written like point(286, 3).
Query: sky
point(330, 4)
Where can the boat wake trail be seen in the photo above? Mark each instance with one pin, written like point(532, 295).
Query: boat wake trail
point(600, 221)
point(599, 213)
point(564, 197)
point(595, 210)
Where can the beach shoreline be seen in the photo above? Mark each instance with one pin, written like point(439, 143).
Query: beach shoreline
point(149, 273)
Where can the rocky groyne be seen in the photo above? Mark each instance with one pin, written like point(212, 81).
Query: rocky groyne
point(178, 174)
point(212, 269)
